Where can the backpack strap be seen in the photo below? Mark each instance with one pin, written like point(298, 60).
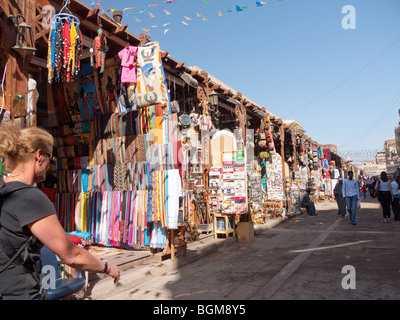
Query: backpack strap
point(13, 254)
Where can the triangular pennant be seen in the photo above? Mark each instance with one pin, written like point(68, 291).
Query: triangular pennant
point(167, 12)
point(238, 9)
point(151, 15)
point(219, 13)
point(227, 9)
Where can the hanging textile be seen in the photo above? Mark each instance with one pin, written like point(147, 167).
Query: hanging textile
point(128, 57)
point(173, 191)
point(65, 46)
point(151, 84)
point(100, 49)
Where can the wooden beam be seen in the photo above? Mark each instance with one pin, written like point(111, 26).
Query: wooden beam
point(42, 33)
point(93, 12)
point(42, 15)
point(120, 29)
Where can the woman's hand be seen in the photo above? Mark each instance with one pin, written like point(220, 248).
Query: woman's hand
point(113, 272)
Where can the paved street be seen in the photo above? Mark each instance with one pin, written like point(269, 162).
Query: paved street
point(301, 258)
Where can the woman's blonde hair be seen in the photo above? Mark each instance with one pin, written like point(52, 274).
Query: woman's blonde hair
point(16, 144)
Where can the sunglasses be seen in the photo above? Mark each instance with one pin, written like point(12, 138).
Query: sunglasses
point(52, 158)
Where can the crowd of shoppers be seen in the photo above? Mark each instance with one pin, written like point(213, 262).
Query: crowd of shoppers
point(385, 189)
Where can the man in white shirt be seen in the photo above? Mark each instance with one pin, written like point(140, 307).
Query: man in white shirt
point(351, 193)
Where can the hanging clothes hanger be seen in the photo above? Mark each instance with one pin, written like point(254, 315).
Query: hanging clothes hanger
point(65, 15)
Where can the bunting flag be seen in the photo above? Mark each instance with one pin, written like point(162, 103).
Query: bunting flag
point(238, 8)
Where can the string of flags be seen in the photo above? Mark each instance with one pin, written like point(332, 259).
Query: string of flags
point(186, 19)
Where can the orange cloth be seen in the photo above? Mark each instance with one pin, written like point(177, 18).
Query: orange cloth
point(158, 136)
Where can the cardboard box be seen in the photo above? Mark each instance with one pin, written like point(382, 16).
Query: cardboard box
point(245, 232)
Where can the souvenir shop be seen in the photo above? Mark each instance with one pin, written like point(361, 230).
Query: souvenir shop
point(267, 193)
point(118, 176)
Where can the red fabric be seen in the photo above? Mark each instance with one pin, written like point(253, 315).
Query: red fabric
point(51, 193)
point(75, 239)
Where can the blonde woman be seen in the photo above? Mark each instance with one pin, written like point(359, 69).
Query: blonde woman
point(26, 213)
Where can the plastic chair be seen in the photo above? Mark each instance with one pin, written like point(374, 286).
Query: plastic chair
point(61, 287)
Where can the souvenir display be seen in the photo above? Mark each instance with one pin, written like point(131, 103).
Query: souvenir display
point(65, 46)
point(228, 185)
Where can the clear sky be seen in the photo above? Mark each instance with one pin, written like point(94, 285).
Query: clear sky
point(293, 57)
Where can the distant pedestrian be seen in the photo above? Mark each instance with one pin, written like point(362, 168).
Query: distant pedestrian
point(341, 202)
point(306, 202)
point(351, 193)
point(373, 185)
point(364, 190)
point(385, 196)
point(396, 198)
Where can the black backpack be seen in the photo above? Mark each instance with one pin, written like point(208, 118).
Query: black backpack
point(13, 254)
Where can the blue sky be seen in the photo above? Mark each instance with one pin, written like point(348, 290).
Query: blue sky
point(292, 57)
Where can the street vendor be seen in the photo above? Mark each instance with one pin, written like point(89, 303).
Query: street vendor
point(306, 202)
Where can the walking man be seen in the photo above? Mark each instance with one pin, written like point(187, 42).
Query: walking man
point(351, 193)
point(341, 202)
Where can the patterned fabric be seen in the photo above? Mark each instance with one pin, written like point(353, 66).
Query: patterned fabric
point(151, 86)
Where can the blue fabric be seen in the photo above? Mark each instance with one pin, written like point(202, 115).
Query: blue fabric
point(352, 206)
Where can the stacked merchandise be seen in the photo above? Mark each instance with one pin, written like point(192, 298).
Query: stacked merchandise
point(228, 185)
point(215, 187)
